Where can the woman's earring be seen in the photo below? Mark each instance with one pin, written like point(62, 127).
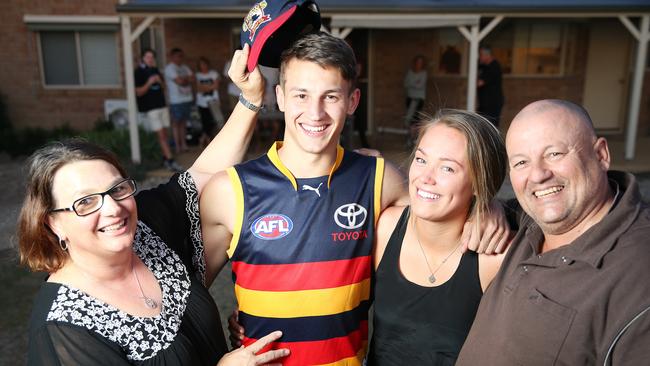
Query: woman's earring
point(62, 244)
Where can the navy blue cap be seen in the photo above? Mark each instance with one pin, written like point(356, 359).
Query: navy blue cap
point(271, 26)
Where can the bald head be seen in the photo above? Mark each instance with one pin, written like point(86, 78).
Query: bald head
point(558, 166)
point(574, 118)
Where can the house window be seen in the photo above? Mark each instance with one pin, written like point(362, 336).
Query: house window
point(525, 47)
point(79, 58)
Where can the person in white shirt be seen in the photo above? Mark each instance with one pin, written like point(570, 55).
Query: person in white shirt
point(179, 80)
point(415, 83)
point(233, 91)
point(207, 100)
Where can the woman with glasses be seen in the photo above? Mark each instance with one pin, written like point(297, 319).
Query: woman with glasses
point(125, 272)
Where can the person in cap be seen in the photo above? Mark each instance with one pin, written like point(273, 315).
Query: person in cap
point(573, 289)
point(298, 222)
point(124, 273)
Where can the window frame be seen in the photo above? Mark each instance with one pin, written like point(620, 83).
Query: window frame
point(82, 84)
point(565, 30)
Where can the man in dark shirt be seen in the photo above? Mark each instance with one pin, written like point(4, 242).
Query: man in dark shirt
point(152, 106)
point(573, 289)
point(490, 91)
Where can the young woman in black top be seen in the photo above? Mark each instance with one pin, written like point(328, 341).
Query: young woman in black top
point(426, 290)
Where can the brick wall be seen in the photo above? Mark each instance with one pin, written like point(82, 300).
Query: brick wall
point(29, 103)
point(391, 58)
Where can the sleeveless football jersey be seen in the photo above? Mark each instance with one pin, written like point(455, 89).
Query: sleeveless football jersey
point(301, 255)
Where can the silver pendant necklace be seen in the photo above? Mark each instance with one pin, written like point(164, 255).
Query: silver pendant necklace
point(432, 277)
point(148, 302)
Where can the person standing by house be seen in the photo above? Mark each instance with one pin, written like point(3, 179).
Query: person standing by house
point(270, 123)
point(490, 90)
point(207, 100)
point(152, 106)
point(179, 80)
point(415, 83)
point(232, 90)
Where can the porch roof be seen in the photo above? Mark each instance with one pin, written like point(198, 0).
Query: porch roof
point(331, 7)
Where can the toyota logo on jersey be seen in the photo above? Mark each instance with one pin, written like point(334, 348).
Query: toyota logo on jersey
point(350, 216)
point(272, 226)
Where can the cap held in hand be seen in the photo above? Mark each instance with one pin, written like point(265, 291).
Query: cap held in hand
point(272, 25)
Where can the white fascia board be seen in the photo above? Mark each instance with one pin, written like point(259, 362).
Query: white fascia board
point(71, 19)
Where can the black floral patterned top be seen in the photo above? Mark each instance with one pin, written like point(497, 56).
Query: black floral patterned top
point(70, 327)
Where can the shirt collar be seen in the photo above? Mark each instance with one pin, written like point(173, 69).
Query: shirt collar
point(275, 159)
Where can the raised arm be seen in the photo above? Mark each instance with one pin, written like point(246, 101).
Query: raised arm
point(230, 145)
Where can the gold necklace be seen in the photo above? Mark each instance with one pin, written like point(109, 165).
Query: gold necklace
point(432, 277)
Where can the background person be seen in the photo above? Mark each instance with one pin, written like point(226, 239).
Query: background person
point(426, 291)
point(124, 282)
point(573, 288)
point(207, 100)
point(490, 90)
point(152, 106)
point(270, 117)
point(415, 84)
point(179, 80)
point(232, 90)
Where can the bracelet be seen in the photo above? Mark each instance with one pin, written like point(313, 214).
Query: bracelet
point(248, 104)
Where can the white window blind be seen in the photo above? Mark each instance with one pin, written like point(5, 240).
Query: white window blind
point(79, 58)
point(99, 58)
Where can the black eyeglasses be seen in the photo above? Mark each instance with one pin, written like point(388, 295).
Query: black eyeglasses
point(91, 203)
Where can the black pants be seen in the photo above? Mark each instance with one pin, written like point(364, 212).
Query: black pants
point(491, 112)
point(207, 121)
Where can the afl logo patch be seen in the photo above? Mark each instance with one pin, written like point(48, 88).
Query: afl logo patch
point(350, 216)
point(272, 226)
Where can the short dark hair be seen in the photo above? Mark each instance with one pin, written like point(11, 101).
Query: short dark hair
point(486, 48)
point(204, 60)
point(149, 50)
point(175, 50)
point(38, 245)
point(324, 50)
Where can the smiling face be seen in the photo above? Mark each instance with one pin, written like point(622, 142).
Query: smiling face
point(316, 101)
point(440, 186)
point(557, 167)
point(109, 230)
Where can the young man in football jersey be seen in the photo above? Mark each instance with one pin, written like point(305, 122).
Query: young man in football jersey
point(298, 222)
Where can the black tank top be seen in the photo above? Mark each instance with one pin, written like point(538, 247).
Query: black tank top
point(417, 325)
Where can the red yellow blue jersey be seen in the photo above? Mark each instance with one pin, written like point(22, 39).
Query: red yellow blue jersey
point(301, 255)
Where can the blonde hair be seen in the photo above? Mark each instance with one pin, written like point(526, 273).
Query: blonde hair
point(486, 153)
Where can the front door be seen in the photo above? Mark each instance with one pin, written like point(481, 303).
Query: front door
point(606, 81)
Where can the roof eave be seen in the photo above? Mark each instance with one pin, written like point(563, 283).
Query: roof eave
point(352, 9)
